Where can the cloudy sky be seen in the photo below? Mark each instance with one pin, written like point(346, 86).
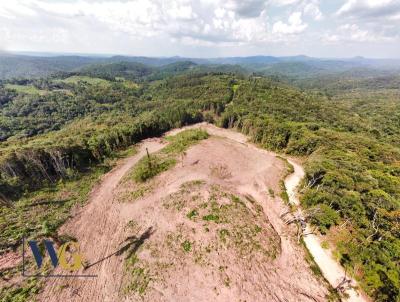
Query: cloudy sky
point(203, 28)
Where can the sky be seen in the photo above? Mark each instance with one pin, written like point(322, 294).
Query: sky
point(203, 28)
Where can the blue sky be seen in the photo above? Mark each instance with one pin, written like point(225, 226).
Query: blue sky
point(203, 28)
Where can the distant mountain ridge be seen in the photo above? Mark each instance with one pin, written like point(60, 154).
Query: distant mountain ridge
point(33, 66)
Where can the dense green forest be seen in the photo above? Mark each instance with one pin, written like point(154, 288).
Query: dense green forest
point(62, 128)
point(352, 168)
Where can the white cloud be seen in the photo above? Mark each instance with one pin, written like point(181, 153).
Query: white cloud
point(295, 25)
point(10, 9)
point(353, 33)
point(369, 9)
point(368, 21)
point(284, 2)
point(203, 26)
point(246, 8)
point(311, 8)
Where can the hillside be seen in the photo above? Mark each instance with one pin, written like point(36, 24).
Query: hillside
point(25, 66)
point(60, 134)
point(199, 219)
point(17, 66)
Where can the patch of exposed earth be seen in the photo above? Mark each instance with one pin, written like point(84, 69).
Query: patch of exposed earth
point(207, 229)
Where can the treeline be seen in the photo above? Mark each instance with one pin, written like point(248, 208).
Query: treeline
point(35, 106)
point(352, 176)
point(29, 114)
point(32, 167)
point(35, 162)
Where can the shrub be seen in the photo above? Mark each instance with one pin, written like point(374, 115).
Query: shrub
point(324, 217)
point(148, 167)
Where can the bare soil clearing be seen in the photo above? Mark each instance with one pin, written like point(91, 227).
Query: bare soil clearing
point(207, 229)
point(9, 260)
point(97, 227)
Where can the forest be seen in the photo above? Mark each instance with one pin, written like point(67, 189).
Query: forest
point(64, 128)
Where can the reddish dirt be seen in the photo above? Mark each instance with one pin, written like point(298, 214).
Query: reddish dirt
point(274, 269)
point(98, 227)
point(10, 260)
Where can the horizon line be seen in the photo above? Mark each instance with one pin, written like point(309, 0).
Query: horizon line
point(87, 54)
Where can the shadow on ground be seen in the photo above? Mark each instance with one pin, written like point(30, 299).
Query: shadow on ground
point(130, 246)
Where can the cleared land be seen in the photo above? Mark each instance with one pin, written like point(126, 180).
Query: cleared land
point(25, 89)
point(207, 229)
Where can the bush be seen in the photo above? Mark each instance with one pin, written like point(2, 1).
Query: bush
point(183, 140)
point(324, 217)
point(152, 165)
point(148, 167)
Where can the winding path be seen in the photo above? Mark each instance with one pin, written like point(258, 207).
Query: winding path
point(107, 215)
point(331, 270)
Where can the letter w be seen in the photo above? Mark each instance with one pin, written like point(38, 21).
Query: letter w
point(38, 257)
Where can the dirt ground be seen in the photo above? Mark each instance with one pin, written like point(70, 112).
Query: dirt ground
point(207, 229)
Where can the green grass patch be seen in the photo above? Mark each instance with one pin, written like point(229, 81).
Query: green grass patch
point(148, 167)
point(192, 214)
point(223, 234)
point(187, 246)
point(40, 213)
point(325, 245)
point(153, 164)
point(183, 140)
point(283, 194)
point(29, 288)
point(141, 191)
point(25, 89)
point(211, 217)
point(289, 166)
point(85, 79)
point(271, 193)
point(236, 223)
point(138, 274)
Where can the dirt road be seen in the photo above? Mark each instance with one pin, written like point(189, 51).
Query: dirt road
point(243, 170)
point(95, 227)
point(331, 270)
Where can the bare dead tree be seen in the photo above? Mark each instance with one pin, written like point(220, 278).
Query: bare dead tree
point(375, 226)
point(344, 285)
point(285, 213)
point(149, 159)
point(344, 224)
point(311, 183)
point(58, 162)
point(183, 155)
point(311, 213)
point(37, 162)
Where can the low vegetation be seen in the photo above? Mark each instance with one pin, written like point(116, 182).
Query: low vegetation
point(153, 164)
point(25, 89)
point(234, 223)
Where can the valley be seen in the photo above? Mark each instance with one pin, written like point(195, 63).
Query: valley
point(207, 208)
